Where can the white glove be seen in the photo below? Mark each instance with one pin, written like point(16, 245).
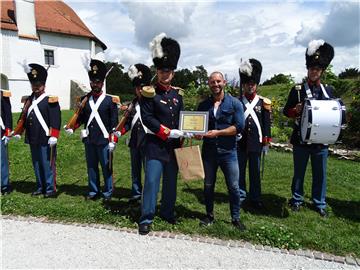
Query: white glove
point(52, 141)
point(238, 137)
point(5, 139)
point(68, 131)
point(188, 135)
point(265, 149)
point(117, 134)
point(175, 133)
point(17, 137)
point(112, 146)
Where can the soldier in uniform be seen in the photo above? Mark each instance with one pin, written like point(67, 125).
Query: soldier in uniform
point(140, 76)
point(160, 110)
point(318, 56)
point(226, 119)
point(42, 128)
point(6, 129)
point(255, 137)
point(100, 117)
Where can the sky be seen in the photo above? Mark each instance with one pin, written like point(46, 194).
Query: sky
point(217, 34)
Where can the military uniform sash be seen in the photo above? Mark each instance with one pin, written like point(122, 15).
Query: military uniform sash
point(2, 123)
point(250, 111)
point(309, 94)
point(95, 114)
point(34, 106)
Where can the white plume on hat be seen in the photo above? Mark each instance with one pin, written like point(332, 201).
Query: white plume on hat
point(86, 61)
point(25, 66)
point(246, 67)
point(155, 46)
point(133, 72)
point(314, 46)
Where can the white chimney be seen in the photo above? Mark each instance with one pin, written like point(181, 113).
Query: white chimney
point(25, 18)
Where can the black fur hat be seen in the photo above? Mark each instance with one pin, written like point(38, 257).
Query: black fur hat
point(139, 75)
point(319, 53)
point(165, 52)
point(37, 73)
point(97, 70)
point(250, 70)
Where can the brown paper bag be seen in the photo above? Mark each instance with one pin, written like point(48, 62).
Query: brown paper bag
point(190, 163)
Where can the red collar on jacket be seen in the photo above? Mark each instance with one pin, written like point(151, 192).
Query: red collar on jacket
point(96, 94)
point(163, 87)
point(310, 83)
point(250, 97)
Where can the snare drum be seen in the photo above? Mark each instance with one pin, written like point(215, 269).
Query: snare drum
point(322, 121)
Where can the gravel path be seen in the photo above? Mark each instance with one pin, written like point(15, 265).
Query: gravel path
point(33, 244)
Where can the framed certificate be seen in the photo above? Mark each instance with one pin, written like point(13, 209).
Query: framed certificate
point(194, 122)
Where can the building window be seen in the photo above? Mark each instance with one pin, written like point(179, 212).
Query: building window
point(49, 57)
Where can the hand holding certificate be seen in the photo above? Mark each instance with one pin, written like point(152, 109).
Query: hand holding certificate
point(194, 122)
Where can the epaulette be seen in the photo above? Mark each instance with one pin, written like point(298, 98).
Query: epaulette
point(24, 98)
point(53, 99)
point(148, 91)
point(179, 89)
point(298, 87)
point(6, 93)
point(266, 103)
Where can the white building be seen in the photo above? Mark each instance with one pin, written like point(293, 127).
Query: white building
point(48, 33)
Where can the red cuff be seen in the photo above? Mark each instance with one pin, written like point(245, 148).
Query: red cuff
point(266, 139)
point(123, 131)
point(113, 138)
point(7, 132)
point(292, 113)
point(163, 133)
point(54, 132)
point(77, 125)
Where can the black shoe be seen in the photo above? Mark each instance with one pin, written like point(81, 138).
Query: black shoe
point(238, 225)
point(144, 229)
point(295, 206)
point(91, 197)
point(50, 195)
point(172, 221)
point(36, 193)
point(322, 212)
point(207, 221)
point(106, 199)
point(6, 192)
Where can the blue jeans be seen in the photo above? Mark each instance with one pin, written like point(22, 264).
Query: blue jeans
point(44, 168)
point(153, 170)
point(5, 183)
point(301, 155)
point(254, 174)
point(137, 160)
point(227, 160)
point(95, 154)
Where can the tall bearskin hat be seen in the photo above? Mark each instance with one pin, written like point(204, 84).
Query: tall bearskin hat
point(139, 75)
point(319, 53)
point(35, 72)
point(97, 70)
point(165, 52)
point(250, 71)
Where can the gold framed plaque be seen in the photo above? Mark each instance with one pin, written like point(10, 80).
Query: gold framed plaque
point(194, 122)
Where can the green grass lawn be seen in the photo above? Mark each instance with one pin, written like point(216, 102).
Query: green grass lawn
point(278, 227)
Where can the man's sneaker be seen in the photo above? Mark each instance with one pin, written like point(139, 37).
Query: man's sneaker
point(295, 206)
point(322, 212)
point(238, 225)
point(207, 221)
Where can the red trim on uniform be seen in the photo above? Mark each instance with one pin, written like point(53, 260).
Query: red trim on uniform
point(292, 113)
point(163, 87)
point(77, 125)
point(96, 94)
point(250, 97)
point(123, 131)
point(54, 132)
point(113, 138)
point(317, 82)
point(266, 139)
point(7, 132)
point(163, 133)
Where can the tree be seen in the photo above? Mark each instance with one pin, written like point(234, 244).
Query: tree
point(118, 82)
point(350, 73)
point(200, 75)
point(183, 78)
point(280, 79)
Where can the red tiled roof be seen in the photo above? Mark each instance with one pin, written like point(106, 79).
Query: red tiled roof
point(51, 16)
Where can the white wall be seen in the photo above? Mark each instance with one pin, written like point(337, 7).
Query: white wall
point(68, 53)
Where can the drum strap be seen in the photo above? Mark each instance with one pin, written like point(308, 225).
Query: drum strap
point(250, 111)
point(309, 94)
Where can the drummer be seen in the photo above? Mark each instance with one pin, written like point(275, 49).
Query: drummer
point(318, 56)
